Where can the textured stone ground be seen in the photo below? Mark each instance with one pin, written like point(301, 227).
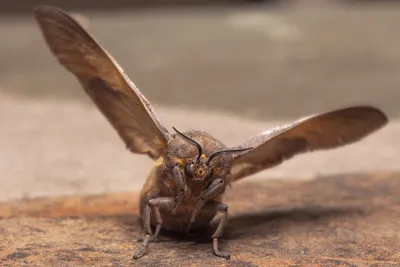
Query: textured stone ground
point(351, 220)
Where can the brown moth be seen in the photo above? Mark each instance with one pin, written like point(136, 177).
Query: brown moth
point(184, 190)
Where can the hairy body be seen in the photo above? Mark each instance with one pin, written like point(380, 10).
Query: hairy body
point(159, 183)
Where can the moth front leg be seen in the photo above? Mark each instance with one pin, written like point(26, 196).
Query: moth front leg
point(178, 178)
point(206, 201)
point(154, 205)
point(209, 193)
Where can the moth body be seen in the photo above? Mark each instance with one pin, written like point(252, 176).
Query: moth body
point(160, 184)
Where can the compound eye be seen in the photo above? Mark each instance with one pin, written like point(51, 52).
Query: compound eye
point(188, 171)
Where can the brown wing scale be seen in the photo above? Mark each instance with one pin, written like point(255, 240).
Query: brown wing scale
point(104, 81)
point(322, 131)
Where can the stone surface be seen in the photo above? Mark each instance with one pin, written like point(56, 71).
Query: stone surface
point(347, 220)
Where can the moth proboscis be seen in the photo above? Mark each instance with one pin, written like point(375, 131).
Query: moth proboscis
point(184, 190)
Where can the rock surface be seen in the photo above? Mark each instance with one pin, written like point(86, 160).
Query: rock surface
point(348, 220)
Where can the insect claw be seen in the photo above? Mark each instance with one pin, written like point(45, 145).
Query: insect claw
point(142, 248)
point(219, 253)
point(225, 255)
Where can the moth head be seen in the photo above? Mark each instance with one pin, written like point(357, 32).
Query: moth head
point(200, 168)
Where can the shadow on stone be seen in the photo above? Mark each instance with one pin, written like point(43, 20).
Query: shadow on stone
point(265, 223)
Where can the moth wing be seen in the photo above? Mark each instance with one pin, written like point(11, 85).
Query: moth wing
point(322, 131)
point(120, 101)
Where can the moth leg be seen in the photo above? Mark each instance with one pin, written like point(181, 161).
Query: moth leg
point(211, 206)
point(154, 205)
point(212, 191)
point(181, 186)
point(223, 208)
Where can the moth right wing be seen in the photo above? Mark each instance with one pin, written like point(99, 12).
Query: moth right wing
point(120, 101)
point(322, 131)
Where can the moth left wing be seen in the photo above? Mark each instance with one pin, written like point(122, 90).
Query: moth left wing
point(322, 131)
point(104, 81)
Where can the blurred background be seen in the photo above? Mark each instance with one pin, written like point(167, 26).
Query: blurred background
point(232, 68)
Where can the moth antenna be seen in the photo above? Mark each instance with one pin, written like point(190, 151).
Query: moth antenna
point(191, 141)
point(218, 152)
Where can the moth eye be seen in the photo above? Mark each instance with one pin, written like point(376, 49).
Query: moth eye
point(188, 171)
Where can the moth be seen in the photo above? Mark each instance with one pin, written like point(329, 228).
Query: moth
point(192, 169)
